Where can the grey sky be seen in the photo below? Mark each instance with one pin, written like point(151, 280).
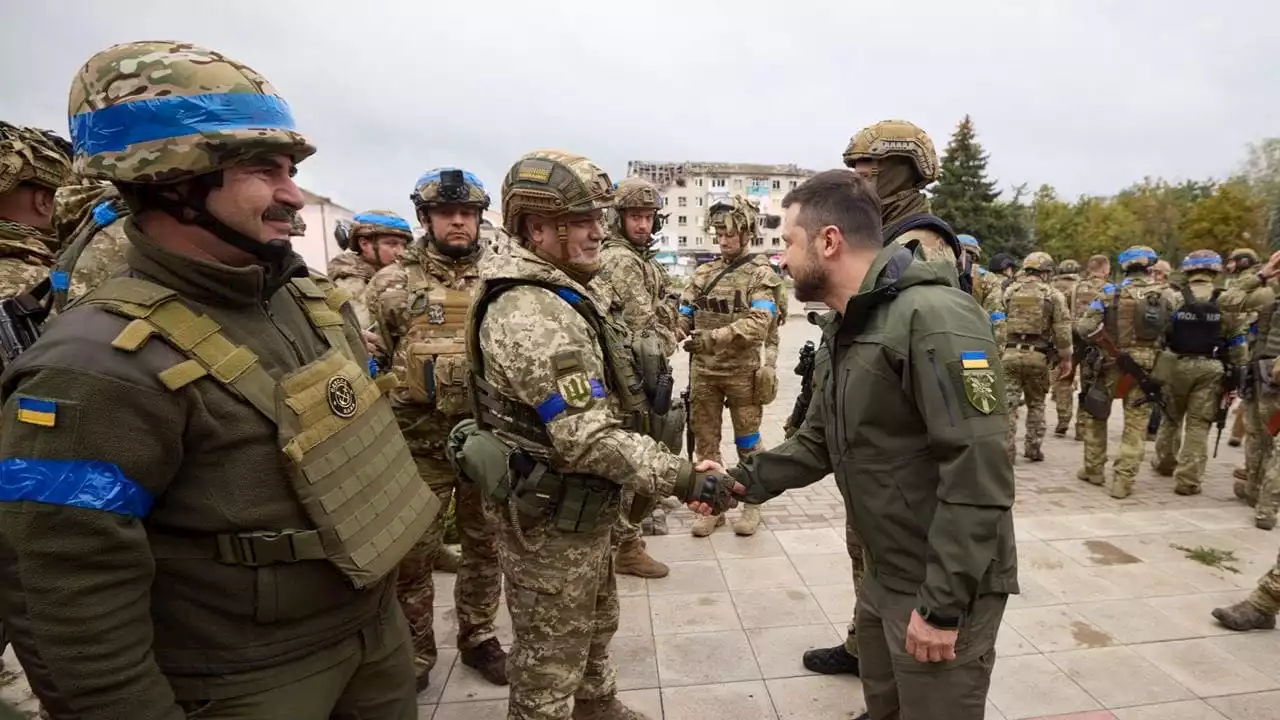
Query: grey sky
point(1088, 96)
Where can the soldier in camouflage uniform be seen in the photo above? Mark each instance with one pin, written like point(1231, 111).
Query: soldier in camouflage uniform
point(1242, 262)
point(1065, 281)
point(728, 310)
point(374, 239)
point(1039, 328)
point(554, 391)
point(1098, 273)
point(629, 269)
point(33, 165)
point(986, 288)
point(419, 306)
point(1200, 339)
point(1134, 315)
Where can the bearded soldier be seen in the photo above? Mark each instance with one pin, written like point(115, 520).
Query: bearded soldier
point(213, 509)
point(373, 240)
point(1039, 329)
point(629, 270)
point(728, 312)
point(420, 307)
point(1065, 280)
point(1125, 320)
point(557, 402)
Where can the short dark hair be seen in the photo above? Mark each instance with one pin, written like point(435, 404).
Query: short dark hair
point(841, 198)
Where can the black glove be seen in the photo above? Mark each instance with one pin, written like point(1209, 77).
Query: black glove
point(714, 489)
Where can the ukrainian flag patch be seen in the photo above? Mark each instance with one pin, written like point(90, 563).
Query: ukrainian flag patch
point(35, 411)
point(974, 360)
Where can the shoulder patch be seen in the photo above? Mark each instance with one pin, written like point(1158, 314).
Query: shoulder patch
point(37, 411)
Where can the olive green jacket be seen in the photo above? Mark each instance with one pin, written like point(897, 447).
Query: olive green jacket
point(122, 631)
point(909, 413)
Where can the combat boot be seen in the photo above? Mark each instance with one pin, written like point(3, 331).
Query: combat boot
point(1187, 489)
point(448, 559)
point(610, 708)
point(1244, 616)
point(1240, 473)
point(489, 659)
point(1034, 454)
point(1161, 469)
point(831, 661)
point(633, 559)
point(1235, 442)
point(706, 524)
point(1082, 474)
point(1264, 522)
point(1121, 487)
point(1061, 429)
point(747, 523)
point(422, 673)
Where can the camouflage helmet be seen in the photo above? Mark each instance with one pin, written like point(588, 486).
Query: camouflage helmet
point(1068, 267)
point(448, 185)
point(636, 193)
point(895, 137)
point(1138, 256)
point(298, 226)
point(1201, 261)
point(1248, 255)
point(969, 244)
point(1041, 262)
point(163, 112)
point(553, 183)
point(32, 155)
point(373, 223)
point(738, 216)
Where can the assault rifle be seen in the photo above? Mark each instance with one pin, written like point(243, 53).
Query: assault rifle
point(1134, 374)
point(20, 319)
point(687, 396)
point(805, 370)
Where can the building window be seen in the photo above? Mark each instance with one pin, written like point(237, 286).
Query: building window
point(777, 184)
point(777, 242)
point(699, 182)
point(717, 182)
point(664, 202)
point(737, 182)
point(683, 241)
point(793, 184)
point(699, 202)
point(715, 239)
point(698, 242)
point(682, 220)
point(682, 202)
point(757, 242)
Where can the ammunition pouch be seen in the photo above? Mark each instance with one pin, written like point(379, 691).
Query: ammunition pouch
point(766, 384)
point(668, 428)
point(436, 375)
point(480, 457)
point(642, 506)
point(1096, 400)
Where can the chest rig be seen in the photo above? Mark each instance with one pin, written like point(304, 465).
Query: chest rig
point(349, 468)
point(719, 303)
point(433, 352)
point(1137, 316)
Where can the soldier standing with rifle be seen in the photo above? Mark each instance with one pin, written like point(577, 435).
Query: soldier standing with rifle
point(1203, 348)
point(1065, 281)
point(1098, 268)
point(1125, 324)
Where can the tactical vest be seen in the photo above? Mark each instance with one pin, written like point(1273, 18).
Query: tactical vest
point(1083, 294)
point(435, 343)
point(1067, 286)
point(724, 303)
point(1197, 326)
point(908, 229)
point(350, 469)
point(1137, 317)
point(1029, 313)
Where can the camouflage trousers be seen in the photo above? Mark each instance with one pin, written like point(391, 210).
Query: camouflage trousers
point(1266, 487)
point(710, 395)
point(859, 570)
point(1133, 440)
point(1064, 399)
point(1266, 597)
point(1237, 423)
point(563, 599)
point(1257, 444)
point(1191, 395)
point(479, 582)
point(1026, 379)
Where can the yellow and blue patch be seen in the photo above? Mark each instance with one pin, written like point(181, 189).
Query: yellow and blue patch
point(35, 411)
point(974, 360)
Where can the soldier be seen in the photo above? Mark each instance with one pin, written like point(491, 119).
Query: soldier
point(554, 390)
point(419, 306)
point(1005, 266)
point(373, 240)
point(1039, 329)
point(203, 427)
point(1201, 339)
point(1098, 269)
point(1241, 261)
point(986, 289)
point(1129, 319)
point(728, 311)
point(1065, 280)
point(629, 270)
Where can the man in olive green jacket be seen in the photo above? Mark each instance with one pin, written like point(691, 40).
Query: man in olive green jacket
point(909, 414)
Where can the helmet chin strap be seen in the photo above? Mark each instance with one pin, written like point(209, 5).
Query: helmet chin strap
point(271, 252)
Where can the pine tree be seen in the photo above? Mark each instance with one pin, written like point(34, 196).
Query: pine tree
point(966, 199)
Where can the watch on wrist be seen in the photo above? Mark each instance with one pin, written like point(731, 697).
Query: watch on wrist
point(942, 622)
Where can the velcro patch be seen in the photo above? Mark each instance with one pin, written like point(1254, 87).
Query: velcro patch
point(38, 411)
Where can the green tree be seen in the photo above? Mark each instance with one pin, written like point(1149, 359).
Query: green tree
point(1056, 225)
point(1234, 215)
point(965, 198)
point(1262, 169)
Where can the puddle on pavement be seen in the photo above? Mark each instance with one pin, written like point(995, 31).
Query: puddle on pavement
point(1090, 636)
point(1102, 552)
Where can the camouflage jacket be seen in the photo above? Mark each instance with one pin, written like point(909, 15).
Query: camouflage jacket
point(1038, 315)
point(26, 256)
point(393, 306)
point(1255, 301)
point(1134, 289)
point(641, 284)
point(538, 351)
point(1084, 292)
point(988, 290)
point(352, 273)
point(1066, 284)
point(740, 313)
point(98, 211)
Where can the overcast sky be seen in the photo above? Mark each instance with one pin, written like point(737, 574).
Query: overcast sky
point(1086, 95)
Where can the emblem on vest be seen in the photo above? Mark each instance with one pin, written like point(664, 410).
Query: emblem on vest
point(342, 397)
point(435, 314)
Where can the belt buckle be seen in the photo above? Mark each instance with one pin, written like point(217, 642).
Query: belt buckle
point(258, 549)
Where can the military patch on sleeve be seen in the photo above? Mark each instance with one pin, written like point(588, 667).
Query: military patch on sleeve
point(980, 389)
point(37, 411)
point(575, 388)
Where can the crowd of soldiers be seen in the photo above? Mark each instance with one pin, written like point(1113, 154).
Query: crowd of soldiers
point(226, 475)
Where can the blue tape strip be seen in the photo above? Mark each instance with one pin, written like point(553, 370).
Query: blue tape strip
point(569, 296)
point(998, 316)
point(1201, 261)
point(89, 484)
point(746, 442)
point(391, 221)
point(60, 281)
point(431, 176)
point(1097, 305)
point(1253, 328)
point(1131, 255)
point(1125, 282)
point(373, 368)
point(552, 407)
point(1238, 340)
point(686, 310)
point(104, 214)
point(769, 305)
point(115, 128)
point(1109, 289)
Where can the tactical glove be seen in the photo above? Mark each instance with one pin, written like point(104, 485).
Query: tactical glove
point(699, 342)
point(714, 489)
